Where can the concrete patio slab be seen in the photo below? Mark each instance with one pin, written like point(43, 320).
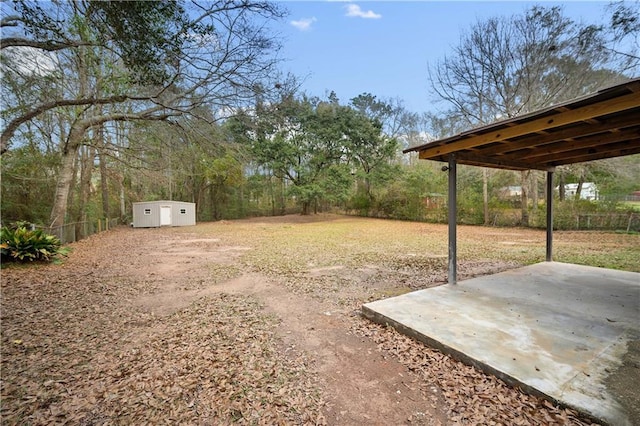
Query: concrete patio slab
point(565, 332)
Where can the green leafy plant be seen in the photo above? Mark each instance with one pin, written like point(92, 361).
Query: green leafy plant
point(20, 244)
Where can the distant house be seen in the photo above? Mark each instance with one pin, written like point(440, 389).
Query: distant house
point(510, 191)
point(589, 191)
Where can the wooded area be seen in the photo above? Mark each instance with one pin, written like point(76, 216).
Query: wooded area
point(110, 103)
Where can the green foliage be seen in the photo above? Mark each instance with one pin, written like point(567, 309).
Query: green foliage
point(395, 202)
point(20, 244)
point(417, 192)
point(223, 176)
point(288, 151)
point(585, 214)
point(148, 33)
point(616, 177)
point(336, 184)
point(321, 149)
point(26, 184)
point(360, 203)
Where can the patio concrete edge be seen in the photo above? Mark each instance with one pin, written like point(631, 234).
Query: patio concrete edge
point(383, 320)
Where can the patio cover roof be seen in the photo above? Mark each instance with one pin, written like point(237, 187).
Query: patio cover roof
point(602, 125)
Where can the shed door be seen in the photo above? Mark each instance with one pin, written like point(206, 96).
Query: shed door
point(165, 215)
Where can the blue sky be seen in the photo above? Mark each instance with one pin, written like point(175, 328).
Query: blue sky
point(384, 47)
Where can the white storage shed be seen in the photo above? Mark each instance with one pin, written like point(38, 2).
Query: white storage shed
point(151, 214)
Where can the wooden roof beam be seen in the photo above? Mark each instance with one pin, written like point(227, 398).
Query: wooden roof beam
point(565, 146)
point(634, 148)
point(624, 121)
point(554, 120)
point(568, 157)
point(479, 160)
point(471, 159)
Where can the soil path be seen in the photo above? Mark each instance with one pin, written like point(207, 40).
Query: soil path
point(246, 322)
point(360, 384)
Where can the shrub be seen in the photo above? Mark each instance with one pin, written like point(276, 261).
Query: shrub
point(21, 244)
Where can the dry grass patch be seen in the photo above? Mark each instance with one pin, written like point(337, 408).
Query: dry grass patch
point(163, 325)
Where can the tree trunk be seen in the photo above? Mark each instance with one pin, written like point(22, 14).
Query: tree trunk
point(561, 188)
point(283, 200)
point(87, 155)
point(69, 153)
point(485, 195)
point(214, 204)
point(524, 199)
point(123, 210)
point(579, 187)
point(65, 177)
point(104, 183)
point(241, 201)
point(534, 189)
point(218, 200)
point(74, 141)
point(272, 195)
point(74, 179)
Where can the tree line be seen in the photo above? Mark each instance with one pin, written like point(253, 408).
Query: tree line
point(109, 103)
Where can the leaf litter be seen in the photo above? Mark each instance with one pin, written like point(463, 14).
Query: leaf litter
point(77, 348)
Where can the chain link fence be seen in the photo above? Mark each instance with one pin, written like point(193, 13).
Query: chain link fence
point(605, 221)
point(72, 232)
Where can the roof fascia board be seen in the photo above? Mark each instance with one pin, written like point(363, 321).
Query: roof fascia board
point(586, 112)
point(568, 146)
point(605, 155)
point(612, 150)
point(617, 123)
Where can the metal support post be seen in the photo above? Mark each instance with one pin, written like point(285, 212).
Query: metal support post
point(549, 257)
point(453, 215)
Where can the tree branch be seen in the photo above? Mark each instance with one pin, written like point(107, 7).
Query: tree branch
point(13, 125)
point(10, 21)
point(79, 128)
point(48, 45)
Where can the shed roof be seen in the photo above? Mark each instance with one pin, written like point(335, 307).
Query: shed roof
point(602, 125)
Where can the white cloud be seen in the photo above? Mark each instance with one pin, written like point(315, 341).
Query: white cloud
point(29, 61)
point(355, 11)
point(304, 24)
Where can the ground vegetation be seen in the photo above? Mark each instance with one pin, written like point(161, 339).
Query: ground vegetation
point(257, 322)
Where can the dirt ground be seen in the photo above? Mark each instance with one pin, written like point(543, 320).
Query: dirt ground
point(249, 322)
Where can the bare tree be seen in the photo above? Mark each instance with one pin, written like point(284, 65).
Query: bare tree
point(505, 67)
point(621, 36)
point(214, 54)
